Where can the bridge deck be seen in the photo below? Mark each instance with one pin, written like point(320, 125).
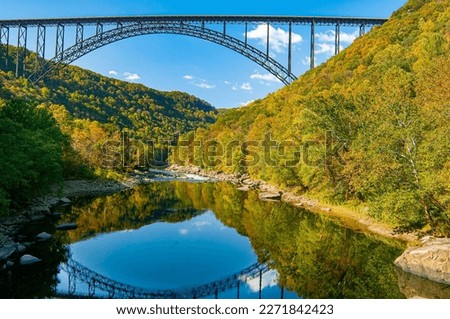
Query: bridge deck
point(350, 21)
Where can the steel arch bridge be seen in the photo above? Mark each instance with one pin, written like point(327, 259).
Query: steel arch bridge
point(112, 29)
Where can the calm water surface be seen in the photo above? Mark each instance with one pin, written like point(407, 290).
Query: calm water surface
point(207, 239)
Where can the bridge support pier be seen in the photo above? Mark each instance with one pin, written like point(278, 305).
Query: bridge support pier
point(21, 50)
point(72, 284)
point(337, 39)
point(268, 40)
point(362, 29)
point(245, 34)
point(313, 35)
point(79, 36)
point(4, 46)
point(260, 284)
point(59, 50)
point(40, 47)
point(99, 30)
point(290, 49)
point(91, 288)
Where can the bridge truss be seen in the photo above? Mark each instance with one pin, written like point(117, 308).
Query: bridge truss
point(112, 29)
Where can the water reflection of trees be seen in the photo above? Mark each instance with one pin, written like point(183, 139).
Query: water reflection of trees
point(38, 280)
point(314, 256)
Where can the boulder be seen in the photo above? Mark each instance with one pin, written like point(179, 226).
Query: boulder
point(43, 236)
point(21, 248)
point(269, 196)
point(64, 201)
point(39, 210)
point(243, 188)
point(67, 226)
point(37, 216)
point(7, 250)
point(29, 260)
point(431, 260)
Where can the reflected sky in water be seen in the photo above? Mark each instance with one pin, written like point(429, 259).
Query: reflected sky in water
point(168, 256)
point(179, 235)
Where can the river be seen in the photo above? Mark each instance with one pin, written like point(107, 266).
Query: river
point(180, 239)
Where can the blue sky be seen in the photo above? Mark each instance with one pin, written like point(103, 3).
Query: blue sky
point(214, 73)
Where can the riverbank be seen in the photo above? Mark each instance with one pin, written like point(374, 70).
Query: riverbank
point(427, 257)
point(43, 209)
point(347, 217)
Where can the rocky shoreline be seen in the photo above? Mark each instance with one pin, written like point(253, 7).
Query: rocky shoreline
point(270, 192)
point(42, 209)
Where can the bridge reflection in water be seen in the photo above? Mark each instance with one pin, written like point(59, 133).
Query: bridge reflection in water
point(99, 286)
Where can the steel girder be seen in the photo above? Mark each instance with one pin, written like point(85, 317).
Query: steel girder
point(126, 31)
point(21, 49)
point(4, 46)
point(40, 47)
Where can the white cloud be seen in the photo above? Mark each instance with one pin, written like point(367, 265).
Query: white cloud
point(348, 37)
point(131, 76)
point(201, 224)
point(204, 85)
point(326, 41)
point(234, 87)
point(183, 231)
point(199, 82)
point(269, 279)
point(324, 48)
point(112, 72)
point(264, 77)
point(327, 36)
point(278, 38)
point(246, 86)
point(246, 103)
point(306, 60)
point(330, 36)
point(227, 82)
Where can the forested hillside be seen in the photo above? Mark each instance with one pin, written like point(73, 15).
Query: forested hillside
point(76, 123)
point(369, 128)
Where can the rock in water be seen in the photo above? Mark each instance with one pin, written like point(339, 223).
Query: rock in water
point(432, 260)
point(43, 236)
point(7, 250)
point(243, 188)
point(28, 260)
point(269, 196)
point(67, 226)
point(64, 201)
point(21, 248)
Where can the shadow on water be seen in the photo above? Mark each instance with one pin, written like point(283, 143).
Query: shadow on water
point(309, 254)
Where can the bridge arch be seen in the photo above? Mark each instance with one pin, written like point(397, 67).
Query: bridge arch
point(88, 45)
